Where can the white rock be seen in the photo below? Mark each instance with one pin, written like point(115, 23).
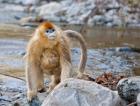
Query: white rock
point(75, 92)
point(49, 9)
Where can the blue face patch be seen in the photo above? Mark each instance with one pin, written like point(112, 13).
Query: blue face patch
point(50, 33)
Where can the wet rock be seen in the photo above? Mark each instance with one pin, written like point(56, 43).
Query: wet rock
point(75, 92)
point(129, 88)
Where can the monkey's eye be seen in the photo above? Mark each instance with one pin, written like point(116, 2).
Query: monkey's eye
point(47, 31)
point(50, 31)
point(53, 30)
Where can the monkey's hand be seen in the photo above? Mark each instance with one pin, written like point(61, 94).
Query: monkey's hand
point(31, 95)
point(33, 100)
point(41, 89)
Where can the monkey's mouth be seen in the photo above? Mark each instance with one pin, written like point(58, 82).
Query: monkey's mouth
point(51, 36)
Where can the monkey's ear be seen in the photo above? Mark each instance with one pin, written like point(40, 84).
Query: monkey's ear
point(37, 32)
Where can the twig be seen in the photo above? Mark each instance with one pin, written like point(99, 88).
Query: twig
point(12, 76)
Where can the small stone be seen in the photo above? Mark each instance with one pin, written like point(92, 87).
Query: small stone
point(129, 88)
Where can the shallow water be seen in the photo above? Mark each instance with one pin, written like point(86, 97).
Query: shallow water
point(104, 37)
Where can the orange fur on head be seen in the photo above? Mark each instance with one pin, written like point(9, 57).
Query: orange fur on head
point(44, 26)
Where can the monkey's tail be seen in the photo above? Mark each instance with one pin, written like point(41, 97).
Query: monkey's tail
point(77, 36)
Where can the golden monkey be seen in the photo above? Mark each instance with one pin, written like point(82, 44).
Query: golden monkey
point(48, 52)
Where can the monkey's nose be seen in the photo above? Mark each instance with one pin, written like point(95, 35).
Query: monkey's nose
point(50, 31)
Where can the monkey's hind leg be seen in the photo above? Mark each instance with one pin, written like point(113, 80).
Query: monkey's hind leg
point(55, 80)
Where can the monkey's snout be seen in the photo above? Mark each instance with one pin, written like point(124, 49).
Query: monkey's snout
point(51, 35)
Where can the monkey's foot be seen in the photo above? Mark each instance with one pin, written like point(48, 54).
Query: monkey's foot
point(51, 87)
point(34, 102)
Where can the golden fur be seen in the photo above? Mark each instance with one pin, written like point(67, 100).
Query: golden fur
point(51, 57)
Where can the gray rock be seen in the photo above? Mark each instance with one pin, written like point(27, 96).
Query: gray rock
point(75, 92)
point(129, 88)
point(138, 100)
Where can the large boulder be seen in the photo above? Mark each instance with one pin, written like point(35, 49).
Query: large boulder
point(76, 92)
point(129, 88)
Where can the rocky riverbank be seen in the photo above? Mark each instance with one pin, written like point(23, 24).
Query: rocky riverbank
point(119, 61)
point(108, 13)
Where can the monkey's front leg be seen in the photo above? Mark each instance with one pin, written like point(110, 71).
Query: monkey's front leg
point(34, 80)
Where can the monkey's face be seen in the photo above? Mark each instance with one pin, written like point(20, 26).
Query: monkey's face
point(49, 31)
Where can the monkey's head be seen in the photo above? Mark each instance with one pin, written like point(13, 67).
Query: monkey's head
point(49, 31)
